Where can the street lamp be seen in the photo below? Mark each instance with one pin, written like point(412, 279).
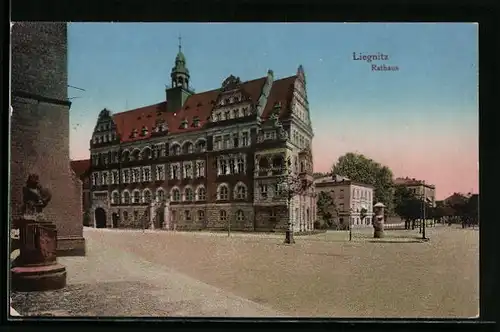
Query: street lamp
point(424, 201)
point(350, 224)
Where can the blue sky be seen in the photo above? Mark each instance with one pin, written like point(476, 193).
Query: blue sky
point(434, 93)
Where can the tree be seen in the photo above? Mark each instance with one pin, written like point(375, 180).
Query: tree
point(407, 206)
point(473, 209)
point(318, 175)
point(359, 168)
point(326, 207)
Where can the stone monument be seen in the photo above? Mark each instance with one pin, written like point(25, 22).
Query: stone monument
point(40, 129)
point(378, 220)
point(36, 267)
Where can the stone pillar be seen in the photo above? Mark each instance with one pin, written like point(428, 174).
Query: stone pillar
point(378, 220)
point(152, 215)
point(40, 128)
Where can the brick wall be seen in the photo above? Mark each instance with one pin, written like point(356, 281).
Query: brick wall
point(40, 130)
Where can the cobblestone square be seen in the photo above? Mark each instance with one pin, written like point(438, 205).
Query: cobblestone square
point(159, 273)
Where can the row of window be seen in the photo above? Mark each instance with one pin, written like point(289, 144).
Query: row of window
point(148, 153)
point(231, 164)
point(104, 138)
point(300, 140)
point(187, 215)
point(230, 114)
point(188, 194)
point(177, 171)
point(232, 140)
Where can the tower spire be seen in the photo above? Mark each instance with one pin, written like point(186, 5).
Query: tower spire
point(180, 42)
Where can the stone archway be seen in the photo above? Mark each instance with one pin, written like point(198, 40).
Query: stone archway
point(100, 218)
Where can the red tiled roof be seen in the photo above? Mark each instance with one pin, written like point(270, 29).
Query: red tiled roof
point(281, 91)
point(80, 166)
point(201, 105)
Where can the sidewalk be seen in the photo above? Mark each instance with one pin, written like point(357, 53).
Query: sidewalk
point(110, 282)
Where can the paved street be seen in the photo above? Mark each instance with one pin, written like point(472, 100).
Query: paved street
point(158, 273)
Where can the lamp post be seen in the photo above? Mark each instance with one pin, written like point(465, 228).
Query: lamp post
point(423, 216)
point(350, 224)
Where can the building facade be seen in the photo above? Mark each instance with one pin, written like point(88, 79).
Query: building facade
point(81, 169)
point(349, 198)
point(419, 188)
point(209, 160)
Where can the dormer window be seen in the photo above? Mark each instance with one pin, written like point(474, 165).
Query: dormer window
point(184, 124)
point(196, 121)
point(277, 105)
point(144, 131)
point(134, 133)
point(198, 105)
point(226, 101)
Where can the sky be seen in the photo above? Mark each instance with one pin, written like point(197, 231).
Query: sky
point(420, 120)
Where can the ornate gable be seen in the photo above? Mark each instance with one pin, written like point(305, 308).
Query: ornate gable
point(231, 83)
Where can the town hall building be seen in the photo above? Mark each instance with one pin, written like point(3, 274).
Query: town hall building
point(209, 160)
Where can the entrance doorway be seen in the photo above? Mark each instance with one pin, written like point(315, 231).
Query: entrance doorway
point(100, 218)
point(159, 219)
point(116, 218)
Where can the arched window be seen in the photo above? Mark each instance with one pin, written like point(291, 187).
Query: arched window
point(240, 215)
point(201, 145)
point(136, 199)
point(126, 197)
point(125, 155)
point(223, 192)
point(240, 191)
point(136, 155)
point(223, 215)
point(278, 162)
point(147, 196)
point(176, 195)
point(160, 195)
point(201, 194)
point(187, 148)
point(115, 197)
point(175, 149)
point(188, 194)
point(146, 153)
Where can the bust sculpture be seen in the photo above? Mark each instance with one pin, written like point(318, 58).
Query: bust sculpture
point(35, 198)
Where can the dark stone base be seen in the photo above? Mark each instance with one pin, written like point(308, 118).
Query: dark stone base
point(378, 234)
point(38, 278)
point(70, 246)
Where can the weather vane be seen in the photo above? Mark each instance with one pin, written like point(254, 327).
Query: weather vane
point(180, 39)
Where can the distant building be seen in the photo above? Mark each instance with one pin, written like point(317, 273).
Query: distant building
point(81, 169)
point(419, 188)
point(349, 198)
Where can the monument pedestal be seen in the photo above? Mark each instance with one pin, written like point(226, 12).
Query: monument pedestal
point(36, 268)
